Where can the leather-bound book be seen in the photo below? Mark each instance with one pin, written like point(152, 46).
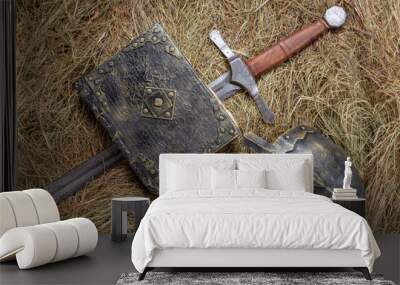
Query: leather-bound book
point(150, 100)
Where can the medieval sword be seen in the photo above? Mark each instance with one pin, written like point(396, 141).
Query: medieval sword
point(242, 76)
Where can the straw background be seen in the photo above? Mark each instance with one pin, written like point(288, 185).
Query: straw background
point(347, 84)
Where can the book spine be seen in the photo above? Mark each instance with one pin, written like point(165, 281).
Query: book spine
point(344, 197)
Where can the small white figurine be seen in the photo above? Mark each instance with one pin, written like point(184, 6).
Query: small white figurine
point(347, 174)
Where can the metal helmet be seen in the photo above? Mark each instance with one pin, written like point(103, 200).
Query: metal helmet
point(328, 157)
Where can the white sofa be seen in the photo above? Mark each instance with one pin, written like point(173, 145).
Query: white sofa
point(31, 231)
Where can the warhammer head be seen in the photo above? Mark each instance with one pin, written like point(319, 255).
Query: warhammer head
point(335, 16)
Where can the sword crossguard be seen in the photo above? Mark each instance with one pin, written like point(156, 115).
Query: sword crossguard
point(241, 75)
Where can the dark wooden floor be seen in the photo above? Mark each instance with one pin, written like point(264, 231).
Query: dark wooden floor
point(110, 260)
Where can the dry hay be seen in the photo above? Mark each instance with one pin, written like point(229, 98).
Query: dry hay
point(347, 84)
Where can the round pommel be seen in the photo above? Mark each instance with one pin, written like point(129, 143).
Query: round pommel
point(335, 16)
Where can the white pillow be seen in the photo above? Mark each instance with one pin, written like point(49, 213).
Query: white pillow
point(286, 174)
point(223, 179)
point(215, 163)
point(293, 179)
point(251, 178)
point(181, 177)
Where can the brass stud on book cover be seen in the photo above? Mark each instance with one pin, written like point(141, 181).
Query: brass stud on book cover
point(150, 100)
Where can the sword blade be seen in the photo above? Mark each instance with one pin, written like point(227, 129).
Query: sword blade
point(223, 87)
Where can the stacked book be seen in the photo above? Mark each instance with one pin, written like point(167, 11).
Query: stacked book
point(344, 194)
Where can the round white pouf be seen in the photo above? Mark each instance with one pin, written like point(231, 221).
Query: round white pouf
point(335, 16)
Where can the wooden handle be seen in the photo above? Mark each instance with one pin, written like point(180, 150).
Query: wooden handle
point(286, 48)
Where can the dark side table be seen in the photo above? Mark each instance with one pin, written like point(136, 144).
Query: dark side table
point(355, 205)
point(119, 214)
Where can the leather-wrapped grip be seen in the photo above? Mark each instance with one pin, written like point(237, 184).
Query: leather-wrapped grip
point(286, 48)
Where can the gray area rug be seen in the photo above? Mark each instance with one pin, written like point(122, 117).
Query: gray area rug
point(269, 278)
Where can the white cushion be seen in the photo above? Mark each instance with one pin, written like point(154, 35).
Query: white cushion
point(23, 208)
point(206, 162)
point(183, 177)
point(45, 206)
point(174, 171)
point(31, 246)
point(26, 208)
point(287, 174)
point(251, 178)
point(7, 218)
point(66, 237)
point(40, 244)
point(231, 180)
point(268, 161)
point(223, 179)
point(87, 234)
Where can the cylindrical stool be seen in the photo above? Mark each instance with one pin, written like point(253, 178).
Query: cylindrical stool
point(119, 214)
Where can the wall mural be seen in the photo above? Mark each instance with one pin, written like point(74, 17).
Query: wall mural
point(343, 86)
